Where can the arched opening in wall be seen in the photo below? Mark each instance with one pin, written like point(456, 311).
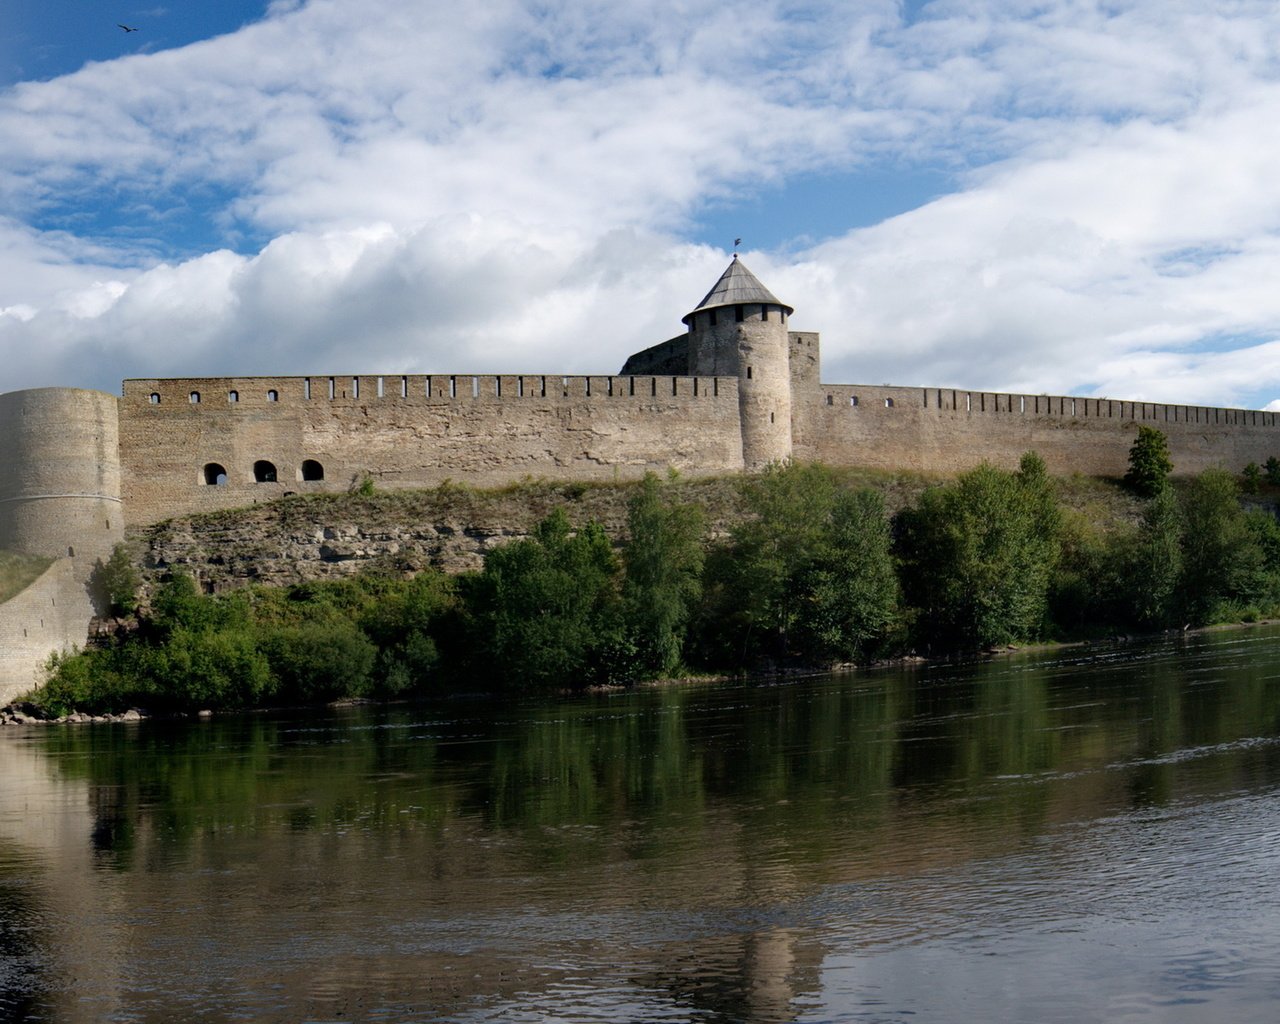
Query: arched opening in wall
point(155, 398)
point(888, 403)
point(233, 396)
point(739, 314)
point(273, 395)
point(312, 470)
point(213, 475)
point(71, 553)
point(264, 472)
point(194, 398)
point(853, 399)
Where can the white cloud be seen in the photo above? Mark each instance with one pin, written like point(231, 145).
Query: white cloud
point(507, 186)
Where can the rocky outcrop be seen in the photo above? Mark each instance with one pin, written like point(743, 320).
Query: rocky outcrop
point(301, 538)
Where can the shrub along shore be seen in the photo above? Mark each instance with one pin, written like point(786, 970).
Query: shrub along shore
point(814, 573)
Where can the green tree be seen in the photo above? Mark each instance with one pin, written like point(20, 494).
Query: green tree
point(546, 611)
point(807, 574)
point(1155, 565)
point(1272, 467)
point(850, 586)
point(1251, 478)
point(663, 557)
point(117, 580)
point(978, 555)
point(404, 624)
point(1223, 562)
point(1149, 463)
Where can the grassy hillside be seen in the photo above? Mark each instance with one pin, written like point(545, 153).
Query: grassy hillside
point(18, 571)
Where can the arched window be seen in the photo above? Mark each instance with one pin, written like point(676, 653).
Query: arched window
point(312, 470)
point(264, 472)
point(853, 399)
point(233, 396)
point(155, 398)
point(273, 395)
point(888, 403)
point(214, 475)
point(194, 397)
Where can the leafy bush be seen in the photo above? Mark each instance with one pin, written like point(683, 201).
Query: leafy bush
point(1149, 463)
point(978, 555)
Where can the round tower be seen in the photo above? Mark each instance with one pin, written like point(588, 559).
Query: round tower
point(740, 330)
point(60, 474)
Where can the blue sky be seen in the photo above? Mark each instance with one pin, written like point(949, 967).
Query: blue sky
point(1063, 196)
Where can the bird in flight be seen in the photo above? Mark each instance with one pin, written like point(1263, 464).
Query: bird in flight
point(125, 27)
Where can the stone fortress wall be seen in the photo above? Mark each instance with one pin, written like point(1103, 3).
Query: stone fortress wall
point(211, 443)
point(735, 392)
point(59, 497)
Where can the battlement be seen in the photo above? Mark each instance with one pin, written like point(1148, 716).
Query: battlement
point(208, 393)
point(867, 399)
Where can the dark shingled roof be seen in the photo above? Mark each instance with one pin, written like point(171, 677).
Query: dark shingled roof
point(737, 285)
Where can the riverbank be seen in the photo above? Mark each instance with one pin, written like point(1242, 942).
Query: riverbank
point(27, 713)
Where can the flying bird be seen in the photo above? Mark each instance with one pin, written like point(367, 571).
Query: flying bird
point(737, 242)
point(125, 27)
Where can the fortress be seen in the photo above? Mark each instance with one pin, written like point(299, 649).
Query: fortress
point(734, 392)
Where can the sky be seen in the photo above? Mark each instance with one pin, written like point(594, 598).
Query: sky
point(1058, 196)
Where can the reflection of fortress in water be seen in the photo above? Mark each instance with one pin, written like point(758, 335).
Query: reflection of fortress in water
point(734, 392)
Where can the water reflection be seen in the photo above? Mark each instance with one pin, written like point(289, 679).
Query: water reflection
point(763, 852)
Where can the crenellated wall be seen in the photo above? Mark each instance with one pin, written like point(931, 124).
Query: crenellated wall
point(943, 430)
point(411, 431)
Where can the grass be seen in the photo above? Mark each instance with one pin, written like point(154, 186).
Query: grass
point(17, 572)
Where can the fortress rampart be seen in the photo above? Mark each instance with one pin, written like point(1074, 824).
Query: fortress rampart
point(944, 430)
point(209, 443)
point(736, 391)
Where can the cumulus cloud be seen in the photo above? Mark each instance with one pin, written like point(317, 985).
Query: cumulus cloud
point(388, 187)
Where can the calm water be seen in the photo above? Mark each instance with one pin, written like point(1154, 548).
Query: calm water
point(1088, 836)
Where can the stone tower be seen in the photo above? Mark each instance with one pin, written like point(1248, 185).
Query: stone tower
point(740, 330)
point(60, 474)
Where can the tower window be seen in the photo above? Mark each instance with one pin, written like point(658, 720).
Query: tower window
point(264, 472)
point(711, 318)
point(764, 313)
point(155, 398)
point(312, 470)
point(233, 396)
point(738, 314)
point(273, 396)
point(194, 398)
point(748, 373)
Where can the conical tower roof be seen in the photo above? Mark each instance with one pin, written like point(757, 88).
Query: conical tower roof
point(737, 285)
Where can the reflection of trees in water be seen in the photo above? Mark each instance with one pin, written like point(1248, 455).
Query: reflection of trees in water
point(24, 946)
point(857, 749)
point(733, 797)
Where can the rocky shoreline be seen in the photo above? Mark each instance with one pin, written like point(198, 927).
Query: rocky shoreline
point(24, 713)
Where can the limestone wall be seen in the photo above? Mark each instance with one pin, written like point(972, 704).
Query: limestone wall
point(944, 430)
point(668, 357)
point(410, 431)
point(60, 474)
point(52, 614)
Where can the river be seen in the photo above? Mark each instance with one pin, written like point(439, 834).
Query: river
point(1091, 834)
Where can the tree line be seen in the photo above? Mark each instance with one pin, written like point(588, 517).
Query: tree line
point(814, 573)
